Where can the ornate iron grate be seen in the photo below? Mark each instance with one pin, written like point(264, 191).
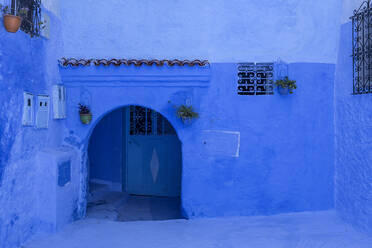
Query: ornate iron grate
point(145, 121)
point(255, 78)
point(362, 48)
point(32, 23)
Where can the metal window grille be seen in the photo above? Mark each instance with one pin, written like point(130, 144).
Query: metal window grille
point(31, 24)
point(255, 78)
point(145, 121)
point(362, 48)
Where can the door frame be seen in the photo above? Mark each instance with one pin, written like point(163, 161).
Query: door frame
point(125, 133)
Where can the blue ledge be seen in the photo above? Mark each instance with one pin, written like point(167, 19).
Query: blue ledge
point(103, 76)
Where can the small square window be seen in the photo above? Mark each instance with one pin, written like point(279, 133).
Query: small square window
point(255, 78)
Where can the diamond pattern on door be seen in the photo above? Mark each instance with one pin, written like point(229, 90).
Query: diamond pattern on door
point(154, 165)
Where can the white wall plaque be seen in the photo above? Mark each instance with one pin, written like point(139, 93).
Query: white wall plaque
point(59, 102)
point(42, 114)
point(28, 109)
point(221, 143)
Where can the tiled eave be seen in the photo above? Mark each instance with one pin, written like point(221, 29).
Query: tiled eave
point(137, 62)
point(134, 73)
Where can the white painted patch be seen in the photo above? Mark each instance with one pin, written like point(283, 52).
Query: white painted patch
point(28, 109)
point(221, 142)
point(52, 5)
point(42, 114)
point(45, 32)
point(59, 102)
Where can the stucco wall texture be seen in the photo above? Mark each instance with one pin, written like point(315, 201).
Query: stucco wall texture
point(218, 30)
point(285, 141)
point(25, 65)
point(289, 145)
point(353, 134)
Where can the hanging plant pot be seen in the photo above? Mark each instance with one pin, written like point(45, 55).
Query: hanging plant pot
point(187, 121)
point(186, 114)
point(12, 23)
point(85, 118)
point(286, 86)
point(85, 114)
point(283, 91)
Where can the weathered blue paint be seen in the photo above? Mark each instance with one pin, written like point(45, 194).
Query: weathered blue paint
point(218, 30)
point(285, 144)
point(353, 115)
point(285, 141)
point(25, 65)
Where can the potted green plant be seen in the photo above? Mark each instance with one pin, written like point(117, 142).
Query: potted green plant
point(12, 18)
point(186, 114)
point(85, 114)
point(286, 86)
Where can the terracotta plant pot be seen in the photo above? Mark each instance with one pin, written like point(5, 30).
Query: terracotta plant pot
point(12, 23)
point(85, 118)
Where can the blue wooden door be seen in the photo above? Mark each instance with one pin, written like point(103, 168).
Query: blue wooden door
point(153, 154)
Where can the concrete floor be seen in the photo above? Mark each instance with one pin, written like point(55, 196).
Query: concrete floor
point(297, 230)
point(119, 206)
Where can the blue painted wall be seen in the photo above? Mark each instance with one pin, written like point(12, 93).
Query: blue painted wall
point(286, 157)
point(106, 148)
point(25, 65)
point(218, 30)
point(353, 115)
point(285, 141)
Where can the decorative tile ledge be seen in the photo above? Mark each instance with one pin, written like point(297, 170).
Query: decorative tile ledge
point(117, 62)
point(75, 73)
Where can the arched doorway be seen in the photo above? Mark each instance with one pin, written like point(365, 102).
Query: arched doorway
point(134, 167)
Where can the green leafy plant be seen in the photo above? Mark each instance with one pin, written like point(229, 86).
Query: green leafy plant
point(85, 114)
point(22, 12)
point(186, 113)
point(4, 9)
point(286, 83)
point(83, 109)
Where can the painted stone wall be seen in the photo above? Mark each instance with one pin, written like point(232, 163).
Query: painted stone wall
point(353, 116)
point(25, 194)
point(286, 142)
point(218, 30)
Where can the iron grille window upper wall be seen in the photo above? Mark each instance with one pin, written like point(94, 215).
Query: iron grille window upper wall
point(255, 78)
point(31, 24)
point(362, 49)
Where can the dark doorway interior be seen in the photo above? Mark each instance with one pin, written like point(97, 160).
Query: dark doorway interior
point(135, 167)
